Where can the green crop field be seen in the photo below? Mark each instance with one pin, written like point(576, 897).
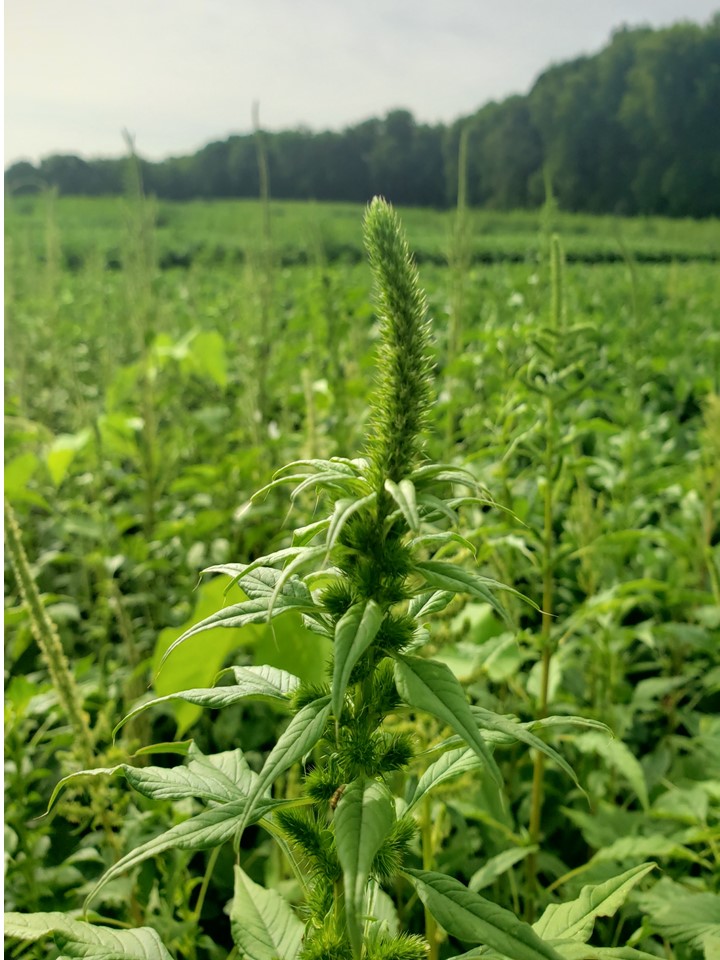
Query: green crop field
point(164, 360)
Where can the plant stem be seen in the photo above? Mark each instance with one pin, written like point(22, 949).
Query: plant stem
point(428, 855)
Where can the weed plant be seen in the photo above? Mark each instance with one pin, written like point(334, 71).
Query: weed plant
point(366, 578)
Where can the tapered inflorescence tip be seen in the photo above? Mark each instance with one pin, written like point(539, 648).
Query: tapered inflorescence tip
point(402, 398)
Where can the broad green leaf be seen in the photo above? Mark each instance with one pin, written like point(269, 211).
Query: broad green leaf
point(693, 919)
point(472, 918)
point(575, 920)
point(448, 766)
point(431, 686)
point(403, 494)
point(206, 356)
point(640, 847)
point(62, 452)
point(363, 819)
point(354, 633)
point(496, 866)
point(208, 829)
point(297, 740)
point(514, 729)
point(617, 755)
point(219, 777)
point(263, 924)
point(255, 683)
point(86, 940)
point(293, 644)
point(197, 661)
point(249, 612)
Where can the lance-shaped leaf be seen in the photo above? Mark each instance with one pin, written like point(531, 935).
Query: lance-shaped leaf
point(263, 924)
point(342, 512)
point(448, 576)
point(472, 918)
point(426, 603)
point(238, 571)
point(254, 683)
point(431, 473)
point(295, 596)
point(432, 686)
point(354, 633)
point(575, 920)
point(86, 940)
point(618, 755)
point(260, 582)
point(208, 829)
point(403, 494)
point(294, 743)
point(447, 767)
point(218, 778)
point(363, 819)
point(497, 865)
point(514, 729)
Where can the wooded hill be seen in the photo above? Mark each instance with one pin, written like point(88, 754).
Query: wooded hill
point(634, 129)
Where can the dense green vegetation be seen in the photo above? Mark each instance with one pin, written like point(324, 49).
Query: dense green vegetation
point(630, 130)
point(579, 403)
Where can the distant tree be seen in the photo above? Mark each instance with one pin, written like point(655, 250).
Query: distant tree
point(634, 128)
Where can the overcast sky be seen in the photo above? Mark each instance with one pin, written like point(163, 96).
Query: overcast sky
point(178, 73)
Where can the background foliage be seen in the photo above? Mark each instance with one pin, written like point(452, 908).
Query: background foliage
point(148, 397)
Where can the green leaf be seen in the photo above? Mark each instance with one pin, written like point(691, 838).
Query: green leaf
point(447, 767)
point(470, 917)
point(575, 920)
point(219, 777)
point(342, 512)
point(363, 819)
point(262, 922)
point(573, 950)
point(62, 452)
point(428, 603)
point(197, 661)
point(403, 494)
point(206, 357)
point(297, 740)
point(297, 598)
point(85, 940)
point(431, 686)
point(288, 642)
point(616, 754)
point(255, 683)
point(208, 829)
point(682, 917)
point(516, 730)
point(448, 576)
point(496, 866)
point(354, 633)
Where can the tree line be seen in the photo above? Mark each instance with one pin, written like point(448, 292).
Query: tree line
point(634, 129)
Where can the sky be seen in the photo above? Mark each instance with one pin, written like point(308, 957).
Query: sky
point(179, 73)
